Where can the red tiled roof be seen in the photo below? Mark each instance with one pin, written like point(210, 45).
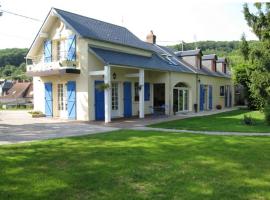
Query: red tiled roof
point(19, 90)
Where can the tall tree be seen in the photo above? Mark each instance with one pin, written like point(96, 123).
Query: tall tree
point(244, 47)
point(260, 76)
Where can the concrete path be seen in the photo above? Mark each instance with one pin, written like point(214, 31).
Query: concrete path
point(18, 127)
point(199, 132)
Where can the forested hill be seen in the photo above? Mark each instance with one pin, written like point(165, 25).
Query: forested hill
point(228, 49)
point(220, 47)
point(12, 64)
point(12, 56)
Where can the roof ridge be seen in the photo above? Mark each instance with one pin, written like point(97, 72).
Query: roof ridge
point(89, 17)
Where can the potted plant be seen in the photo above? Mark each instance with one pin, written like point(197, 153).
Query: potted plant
point(218, 107)
point(36, 114)
point(103, 86)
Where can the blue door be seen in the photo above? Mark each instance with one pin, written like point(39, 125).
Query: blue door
point(99, 101)
point(201, 97)
point(48, 100)
point(127, 100)
point(71, 99)
point(210, 97)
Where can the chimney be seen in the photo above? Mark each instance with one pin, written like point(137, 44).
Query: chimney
point(151, 38)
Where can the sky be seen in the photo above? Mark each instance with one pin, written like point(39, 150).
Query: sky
point(171, 20)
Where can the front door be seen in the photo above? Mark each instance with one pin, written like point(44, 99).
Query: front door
point(127, 100)
point(62, 100)
point(115, 99)
point(99, 101)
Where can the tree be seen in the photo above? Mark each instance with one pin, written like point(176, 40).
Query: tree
point(244, 47)
point(260, 76)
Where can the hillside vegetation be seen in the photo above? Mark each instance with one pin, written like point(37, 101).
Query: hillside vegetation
point(12, 64)
point(229, 49)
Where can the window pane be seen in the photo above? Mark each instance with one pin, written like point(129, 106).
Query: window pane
point(180, 103)
point(186, 100)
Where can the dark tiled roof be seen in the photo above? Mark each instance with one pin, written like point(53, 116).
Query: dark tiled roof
point(155, 62)
point(99, 30)
point(221, 60)
point(188, 53)
point(209, 57)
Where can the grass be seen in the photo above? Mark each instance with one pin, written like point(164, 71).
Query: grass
point(228, 121)
point(137, 165)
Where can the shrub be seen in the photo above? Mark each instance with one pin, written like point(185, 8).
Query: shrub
point(219, 107)
point(267, 113)
point(248, 120)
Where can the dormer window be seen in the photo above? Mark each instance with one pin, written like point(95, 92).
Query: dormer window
point(214, 66)
point(224, 68)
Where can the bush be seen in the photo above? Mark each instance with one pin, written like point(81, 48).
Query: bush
point(219, 107)
point(267, 113)
point(248, 120)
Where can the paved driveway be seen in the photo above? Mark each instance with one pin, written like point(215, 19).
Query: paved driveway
point(18, 126)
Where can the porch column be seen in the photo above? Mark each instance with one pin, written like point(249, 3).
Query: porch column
point(107, 94)
point(141, 93)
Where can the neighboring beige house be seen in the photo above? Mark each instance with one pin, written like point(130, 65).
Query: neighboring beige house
point(86, 69)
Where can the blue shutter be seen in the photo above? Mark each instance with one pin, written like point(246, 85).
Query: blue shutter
point(210, 97)
point(71, 101)
point(146, 91)
point(201, 97)
point(48, 100)
point(47, 51)
point(71, 48)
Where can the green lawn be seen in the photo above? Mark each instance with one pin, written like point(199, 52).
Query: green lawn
point(229, 121)
point(137, 165)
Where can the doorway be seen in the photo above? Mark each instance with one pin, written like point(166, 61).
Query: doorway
point(159, 97)
point(62, 100)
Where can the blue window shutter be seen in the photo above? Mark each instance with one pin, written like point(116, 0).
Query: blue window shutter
point(71, 48)
point(48, 99)
point(201, 97)
point(210, 97)
point(146, 91)
point(71, 101)
point(47, 51)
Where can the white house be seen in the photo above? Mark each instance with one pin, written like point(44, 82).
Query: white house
point(87, 69)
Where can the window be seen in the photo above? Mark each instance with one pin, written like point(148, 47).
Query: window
point(222, 91)
point(224, 68)
point(146, 91)
point(60, 49)
point(114, 96)
point(181, 99)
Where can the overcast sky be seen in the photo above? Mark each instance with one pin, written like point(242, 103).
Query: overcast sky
point(171, 20)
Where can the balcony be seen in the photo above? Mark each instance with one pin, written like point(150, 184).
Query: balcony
point(57, 64)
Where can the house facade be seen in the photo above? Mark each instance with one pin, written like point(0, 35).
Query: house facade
point(86, 69)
